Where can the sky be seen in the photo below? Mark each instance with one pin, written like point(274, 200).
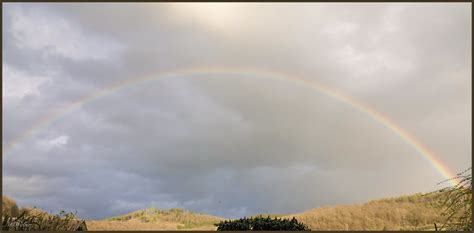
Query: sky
point(230, 144)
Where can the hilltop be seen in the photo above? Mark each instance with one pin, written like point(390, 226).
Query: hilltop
point(155, 219)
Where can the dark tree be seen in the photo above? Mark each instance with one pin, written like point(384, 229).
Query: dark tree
point(261, 223)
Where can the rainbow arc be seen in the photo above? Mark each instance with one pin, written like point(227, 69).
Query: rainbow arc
point(368, 111)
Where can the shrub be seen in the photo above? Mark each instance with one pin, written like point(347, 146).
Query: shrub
point(261, 223)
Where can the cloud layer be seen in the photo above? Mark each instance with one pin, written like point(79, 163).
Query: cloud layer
point(235, 144)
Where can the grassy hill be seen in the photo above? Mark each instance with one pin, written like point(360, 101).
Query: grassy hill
point(155, 219)
point(412, 212)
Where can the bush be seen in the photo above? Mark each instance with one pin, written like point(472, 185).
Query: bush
point(261, 224)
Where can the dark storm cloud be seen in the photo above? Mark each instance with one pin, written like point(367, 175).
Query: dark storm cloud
point(231, 145)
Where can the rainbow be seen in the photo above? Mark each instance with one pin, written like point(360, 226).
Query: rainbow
point(371, 113)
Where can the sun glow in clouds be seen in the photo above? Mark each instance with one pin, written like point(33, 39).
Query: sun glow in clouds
point(216, 16)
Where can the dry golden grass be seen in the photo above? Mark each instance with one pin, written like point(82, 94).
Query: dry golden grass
point(137, 225)
point(414, 212)
point(40, 221)
point(33, 211)
point(32, 219)
point(9, 207)
point(133, 224)
point(154, 219)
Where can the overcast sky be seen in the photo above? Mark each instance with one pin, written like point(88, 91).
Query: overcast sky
point(231, 145)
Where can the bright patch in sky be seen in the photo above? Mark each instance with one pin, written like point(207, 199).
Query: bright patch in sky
point(59, 141)
point(18, 84)
point(216, 16)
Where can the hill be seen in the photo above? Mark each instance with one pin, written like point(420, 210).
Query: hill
point(155, 219)
point(413, 212)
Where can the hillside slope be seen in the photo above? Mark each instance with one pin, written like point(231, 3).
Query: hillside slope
point(413, 212)
point(155, 219)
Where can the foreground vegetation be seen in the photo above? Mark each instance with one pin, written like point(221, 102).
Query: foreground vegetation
point(32, 219)
point(42, 222)
point(457, 204)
